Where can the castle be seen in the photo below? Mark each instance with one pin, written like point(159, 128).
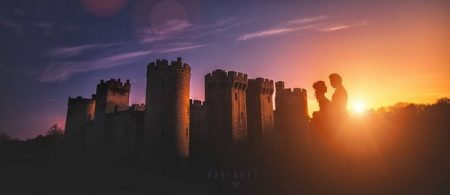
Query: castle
point(236, 111)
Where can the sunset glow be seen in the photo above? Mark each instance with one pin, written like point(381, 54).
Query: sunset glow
point(385, 51)
point(358, 107)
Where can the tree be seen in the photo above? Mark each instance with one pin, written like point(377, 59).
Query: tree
point(4, 137)
point(55, 133)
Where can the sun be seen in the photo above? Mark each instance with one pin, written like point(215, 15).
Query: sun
point(359, 106)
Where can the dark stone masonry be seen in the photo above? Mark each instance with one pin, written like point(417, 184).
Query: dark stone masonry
point(237, 110)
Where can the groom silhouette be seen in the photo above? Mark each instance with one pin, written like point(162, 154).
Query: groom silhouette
point(339, 98)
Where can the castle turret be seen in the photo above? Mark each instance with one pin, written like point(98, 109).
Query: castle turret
point(291, 114)
point(225, 94)
point(111, 96)
point(260, 108)
point(80, 111)
point(167, 107)
point(198, 143)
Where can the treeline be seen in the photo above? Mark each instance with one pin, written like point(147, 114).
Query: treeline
point(42, 147)
point(414, 141)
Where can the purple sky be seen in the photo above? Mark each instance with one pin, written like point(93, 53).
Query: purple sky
point(54, 49)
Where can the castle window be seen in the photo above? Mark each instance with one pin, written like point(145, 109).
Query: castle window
point(235, 96)
point(116, 108)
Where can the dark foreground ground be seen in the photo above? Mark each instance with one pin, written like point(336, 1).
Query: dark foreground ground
point(401, 150)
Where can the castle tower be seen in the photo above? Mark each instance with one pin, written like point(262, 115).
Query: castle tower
point(291, 114)
point(167, 107)
point(225, 94)
point(80, 111)
point(259, 108)
point(198, 129)
point(111, 96)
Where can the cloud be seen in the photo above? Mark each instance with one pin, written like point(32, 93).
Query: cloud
point(18, 11)
point(183, 29)
point(76, 50)
point(64, 69)
point(306, 20)
point(172, 36)
point(58, 71)
point(342, 27)
point(164, 31)
point(265, 33)
point(50, 28)
point(309, 23)
point(18, 28)
point(285, 27)
point(183, 48)
point(172, 26)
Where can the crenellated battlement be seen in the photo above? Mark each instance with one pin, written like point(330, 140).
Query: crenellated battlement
point(79, 100)
point(279, 85)
point(293, 91)
point(115, 84)
point(261, 85)
point(163, 64)
point(227, 79)
point(196, 104)
point(137, 107)
point(289, 91)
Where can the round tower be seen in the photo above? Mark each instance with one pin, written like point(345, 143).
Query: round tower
point(167, 107)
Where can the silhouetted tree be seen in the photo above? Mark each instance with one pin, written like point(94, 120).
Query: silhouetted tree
point(55, 131)
point(4, 137)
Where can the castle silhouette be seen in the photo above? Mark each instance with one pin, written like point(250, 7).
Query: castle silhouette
point(237, 110)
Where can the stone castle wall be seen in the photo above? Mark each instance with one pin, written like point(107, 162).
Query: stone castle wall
point(225, 94)
point(260, 108)
point(79, 112)
point(111, 96)
point(198, 138)
point(236, 109)
point(291, 114)
point(124, 131)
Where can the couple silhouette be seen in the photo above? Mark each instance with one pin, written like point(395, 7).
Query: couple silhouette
point(338, 103)
point(329, 123)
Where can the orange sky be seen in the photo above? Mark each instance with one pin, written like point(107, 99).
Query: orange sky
point(401, 57)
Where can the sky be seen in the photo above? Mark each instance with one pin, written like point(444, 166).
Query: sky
point(386, 51)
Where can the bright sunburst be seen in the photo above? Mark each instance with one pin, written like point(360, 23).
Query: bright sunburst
point(359, 106)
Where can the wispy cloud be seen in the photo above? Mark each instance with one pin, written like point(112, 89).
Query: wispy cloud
point(76, 50)
point(172, 36)
point(285, 27)
point(265, 33)
point(172, 26)
point(183, 48)
point(306, 20)
point(50, 28)
point(164, 31)
point(18, 11)
point(342, 27)
point(60, 70)
point(57, 71)
point(310, 23)
point(7, 23)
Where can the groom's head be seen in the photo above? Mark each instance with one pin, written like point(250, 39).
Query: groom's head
point(335, 80)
